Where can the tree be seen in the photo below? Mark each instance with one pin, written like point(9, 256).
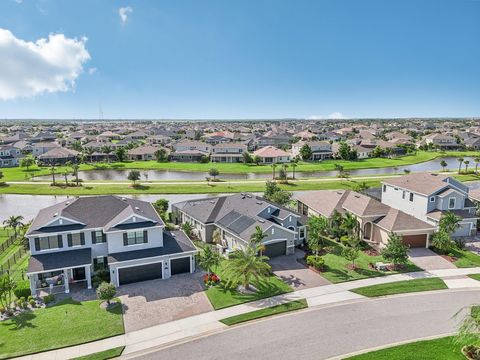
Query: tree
point(361, 187)
point(65, 174)
point(275, 194)
point(258, 236)
point(282, 173)
point(466, 162)
point(247, 158)
point(477, 161)
point(273, 171)
point(460, 162)
point(75, 168)
point(449, 222)
point(52, 171)
point(134, 176)
point(317, 228)
point(106, 292)
point(442, 242)
point(257, 159)
point(395, 251)
point(213, 172)
point(121, 153)
point(294, 165)
point(77, 146)
point(7, 286)
point(443, 164)
point(217, 236)
point(187, 228)
point(89, 152)
point(161, 205)
point(208, 259)
point(161, 155)
point(107, 149)
point(244, 266)
point(350, 225)
point(351, 253)
point(306, 152)
point(27, 161)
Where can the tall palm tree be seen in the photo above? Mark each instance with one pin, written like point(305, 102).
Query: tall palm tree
point(443, 164)
point(256, 239)
point(208, 259)
point(477, 160)
point(449, 222)
point(14, 222)
point(52, 171)
point(466, 162)
point(351, 225)
point(244, 266)
point(273, 171)
point(89, 152)
point(294, 165)
point(460, 162)
point(75, 168)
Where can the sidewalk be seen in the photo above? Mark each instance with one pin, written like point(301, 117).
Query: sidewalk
point(206, 323)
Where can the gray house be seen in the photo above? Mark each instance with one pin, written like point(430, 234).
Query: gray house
point(427, 196)
point(236, 217)
point(72, 239)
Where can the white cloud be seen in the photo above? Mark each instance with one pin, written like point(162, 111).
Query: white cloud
point(18, 1)
point(316, 117)
point(45, 66)
point(123, 12)
point(337, 115)
point(92, 70)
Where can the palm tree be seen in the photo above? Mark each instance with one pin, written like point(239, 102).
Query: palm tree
point(89, 152)
point(14, 222)
point(52, 171)
point(187, 228)
point(477, 160)
point(217, 236)
point(460, 162)
point(65, 175)
point(256, 239)
point(449, 222)
point(350, 224)
point(107, 149)
point(208, 259)
point(294, 165)
point(466, 162)
point(120, 153)
point(273, 171)
point(244, 266)
point(443, 164)
point(75, 168)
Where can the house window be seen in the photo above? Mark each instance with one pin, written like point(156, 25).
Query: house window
point(302, 233)
point(135, 237)
point(75, 239)
point(403, 194)
point(98, 237)
point(48, 242)
point(411, 196)
point(451, 203)
point(432, 198)
point(100, 263)
point(384, 188)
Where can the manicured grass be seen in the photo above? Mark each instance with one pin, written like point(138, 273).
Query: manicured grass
point(103, 355)
point(274, 310)
point(475, 276)
point(336, 265)
point(20, 174)
point(64, 324)
point(465, 258)
point(401, 287)
point(221, 296)
point(439, 349)
point(3, 234)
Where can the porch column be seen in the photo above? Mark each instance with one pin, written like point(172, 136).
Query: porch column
point(66, 281)
point(88, 276)
point(33, 286)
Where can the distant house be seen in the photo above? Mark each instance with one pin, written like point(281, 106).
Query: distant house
point(362, 152)
point(58, 156)
point(158, 140)
point(321, 150)
point(188, 155)
point(442, 141)
point(230, 152)
point(137, 135)
point(43, 136)
point(10, 156)
point(272, 155)
point(183, 145)
point(273, 140)
point(146, 152)
point(43, 147)
point(108, 136)
point(473, 143)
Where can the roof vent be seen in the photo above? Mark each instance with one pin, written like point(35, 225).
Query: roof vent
point(137, 208)
point(67, 203)
point(212, 201)
point(55, 215)
point(124, 199)
point(259, 202)
point(261, 220)
point(249, 196)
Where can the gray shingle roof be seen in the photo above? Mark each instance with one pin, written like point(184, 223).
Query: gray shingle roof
point(59, 260)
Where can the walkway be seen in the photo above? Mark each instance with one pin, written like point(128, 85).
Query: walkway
point(204, 324)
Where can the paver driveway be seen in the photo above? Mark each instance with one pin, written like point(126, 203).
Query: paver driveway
point(154, 302)
point(429, 260)
point(295, 274)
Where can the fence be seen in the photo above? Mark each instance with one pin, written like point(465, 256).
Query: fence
point(7, 243)
point(13, 259)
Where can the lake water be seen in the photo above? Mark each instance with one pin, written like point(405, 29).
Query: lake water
point(121, 175)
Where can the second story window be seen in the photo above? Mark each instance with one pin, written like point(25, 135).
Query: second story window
point(48, 242)
point(451, 203)
point(411, 197)
point(77, 239)
point(432, 198)
point(98, 237)
point(135, 237)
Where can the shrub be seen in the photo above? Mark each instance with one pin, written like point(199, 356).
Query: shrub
point(2, 310)
point(22, 292)
point(48, 299)
point(100, 277)
point(106, 291)
point(32, 302)
point(345, 240)
point(460, 242)
point(315, 261)
point(30, 298)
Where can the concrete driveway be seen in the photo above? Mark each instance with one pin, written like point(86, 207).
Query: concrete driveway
point(154, 302)
point(429, 260)
point(295, 274)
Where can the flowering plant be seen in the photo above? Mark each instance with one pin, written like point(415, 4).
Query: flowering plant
point(211, 279)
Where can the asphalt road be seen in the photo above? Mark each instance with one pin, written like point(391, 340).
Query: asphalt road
point(322, 333)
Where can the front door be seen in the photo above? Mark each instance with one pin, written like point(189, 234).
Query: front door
point(79, 274)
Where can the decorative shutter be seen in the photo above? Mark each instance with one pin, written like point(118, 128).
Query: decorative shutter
point(145, 236)
point(125, 240)
point(94, 239)
point(82, 239)
point(105, 261)
point(37, 244)
point(69, 239)
point(95, 263)
point(60, 241)
point(104, 237)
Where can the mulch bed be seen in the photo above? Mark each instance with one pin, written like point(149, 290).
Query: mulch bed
point(371, 252)
point(452, 259)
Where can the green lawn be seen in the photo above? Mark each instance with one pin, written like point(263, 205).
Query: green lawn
point(274, 310)
point(336, 265)
point(65, 324)
point(103, 355)
point(465, 258)
point(400, 287)
point(475, 276)
point(221, 296)
point(3, 234)
point(439, 349)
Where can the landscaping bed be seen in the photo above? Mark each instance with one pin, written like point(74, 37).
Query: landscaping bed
point(64, 324)
point(401, 287)
point(270, 311)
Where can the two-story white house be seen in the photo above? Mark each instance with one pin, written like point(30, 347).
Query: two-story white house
point(228, 152)
point(70, 240)
point(427, 196)
point(10, 156)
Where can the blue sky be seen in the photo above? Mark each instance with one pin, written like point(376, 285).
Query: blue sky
point(240, 59)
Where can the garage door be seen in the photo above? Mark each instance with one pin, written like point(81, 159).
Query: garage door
point(140, 273)
point(180, 266)
point(276, 249)
point(415, 241)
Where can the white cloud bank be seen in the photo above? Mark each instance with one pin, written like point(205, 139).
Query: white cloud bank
point(45, 66)
point(123, 13)
point(337, 115)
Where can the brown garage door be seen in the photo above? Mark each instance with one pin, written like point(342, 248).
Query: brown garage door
point(415, 241)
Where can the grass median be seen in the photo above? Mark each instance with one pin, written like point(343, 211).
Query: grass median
point(270, 311)
point(103, 355)
point(401, 287)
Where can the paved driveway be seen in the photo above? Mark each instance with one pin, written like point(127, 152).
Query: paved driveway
point(295, 274)
point(429, 260)
point(154, 302)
